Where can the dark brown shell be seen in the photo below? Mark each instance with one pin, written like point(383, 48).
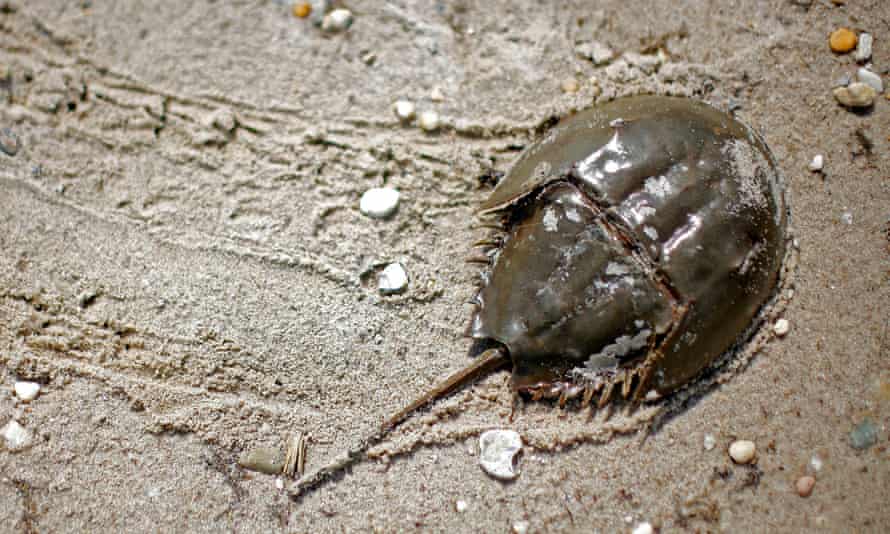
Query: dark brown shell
point(641, 239)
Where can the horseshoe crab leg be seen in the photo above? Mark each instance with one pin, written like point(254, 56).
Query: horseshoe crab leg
point(487, 362)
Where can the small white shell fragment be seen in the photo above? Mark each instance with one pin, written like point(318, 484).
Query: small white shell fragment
point(742, 451)
point(847, 217)
point(709, 442)
point(379, 202)
point(498, 449)
point(393, 279)
point(461, 506)
point(404, 110)
point(817, 163)
point(643, 528)
point(26, 391)
point(17, 437)
point(863, 47)
point(871, 79)
point(520, 527)
point(436, 95)
point(816, 463)
point(337, 21)
point(429, 121)
point(781, 327)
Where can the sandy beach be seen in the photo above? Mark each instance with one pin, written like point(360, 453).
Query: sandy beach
point(187, 275)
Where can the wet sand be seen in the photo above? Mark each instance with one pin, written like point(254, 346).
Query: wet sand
point(186, 272)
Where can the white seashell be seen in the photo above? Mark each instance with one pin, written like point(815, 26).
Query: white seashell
point(498, 450)
point(379, 202)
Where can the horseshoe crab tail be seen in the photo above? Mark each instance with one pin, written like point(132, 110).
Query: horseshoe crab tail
point(487, 362)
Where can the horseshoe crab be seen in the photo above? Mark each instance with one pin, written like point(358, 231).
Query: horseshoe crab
point(634, 244)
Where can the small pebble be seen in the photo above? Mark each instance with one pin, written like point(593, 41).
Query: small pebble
point(570, 85)
point(429, 121)
point(404, 110)
point(863, 48)
point(816, 463)
point(856, 95)
point(379, 202)
point(461, 506)
point(437, 95)
point(520, 527)
point(393, 279)
point(710, 442)
point(804, 485)
point(817, 163)
point(842, 40)
point(223, 119)
point(864, 435)
point(847, 217)
point(643, 528)
point(263, 460)
point(742, 451)
point(26, 391)
point(873, 80)
point(17, 437)
point(9, 142)
point(595, 51)
point(337, 20)
point(781, 327)
point(498, 450)
point(302, 9)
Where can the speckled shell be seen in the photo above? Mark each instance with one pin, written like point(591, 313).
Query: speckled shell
point(641, 239)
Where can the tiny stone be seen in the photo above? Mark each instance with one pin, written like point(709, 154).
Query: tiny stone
point(223, 119)
point(816, 463)
point(302, 9)
point(847, 217)
point(498, 449)
point(9, 142)
point(864, 435)
point(437, 95)
point(868, 77)
point(460, 506)
point(26, 391)
point(643, 528)
point(337, 20)
point(856, 95)
point(520, 527)
point(804, 485)
point(842, 40)
point(263, 460)
point(709, 442)
point(781, 327)
point(817, 163)
point(404, 110)
point(595, 51)
point(17, 437)
point(393, 279)
point(279, 483)
point(863, 48)
point(742, 451)
point(570, 85)
point(429, 121)
point(379, 202)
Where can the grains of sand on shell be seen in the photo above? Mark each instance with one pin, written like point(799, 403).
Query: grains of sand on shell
point(804, 485)
point(742, 451)
point(379, 202)
point(856, 95)
point(497, 453)
point(842, 40)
